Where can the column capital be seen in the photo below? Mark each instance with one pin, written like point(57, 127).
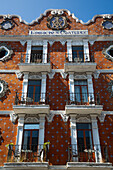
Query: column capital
point(29, 42)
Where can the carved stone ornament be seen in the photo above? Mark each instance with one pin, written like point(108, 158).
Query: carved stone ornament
point(35, 76)
point(5, 52)
point(3, 88)
point(108, 52)
point(31, 119)
point(107, 24)
point(83, 119)
point(110, 88)
point(7, 24)
point(57, 21)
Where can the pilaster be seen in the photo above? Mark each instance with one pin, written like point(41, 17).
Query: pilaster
point(25, 85)
point(44, 59)
point(41, 128)
point(86, 50)
point(71, 85)
point(69, 50)
point(90, 87)
point(96, 140)
point(43, 87)
point(28, 54)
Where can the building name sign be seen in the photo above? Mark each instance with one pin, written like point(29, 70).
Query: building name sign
point(59, 32)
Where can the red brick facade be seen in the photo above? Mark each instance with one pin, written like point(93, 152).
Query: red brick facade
point(57, 131)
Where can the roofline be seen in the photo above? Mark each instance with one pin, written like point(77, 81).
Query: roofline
point(9, 16)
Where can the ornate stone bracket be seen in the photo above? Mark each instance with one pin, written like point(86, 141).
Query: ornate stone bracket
point(13, 117)
point(53, 113)
point(102, 117)
point(96, 74)
point(19, 74)
point(61, 71)
point(61, 41)
point(23, 42)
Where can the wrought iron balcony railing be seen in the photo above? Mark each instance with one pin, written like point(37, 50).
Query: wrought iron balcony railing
point(78, 58)
point(83, 99)
point(31, 98)
point(34, 58)
point(27, 153)
point(90, 153)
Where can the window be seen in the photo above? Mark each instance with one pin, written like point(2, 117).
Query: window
point(77, 53)
point(30, 137)
point(34, 89)
point(36, 54)
point(84, 136)
point(81, 93)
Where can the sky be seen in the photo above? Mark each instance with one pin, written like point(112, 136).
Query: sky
point(29, 10)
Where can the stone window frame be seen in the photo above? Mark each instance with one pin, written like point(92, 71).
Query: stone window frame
point(8, 49)
point(110, 88)
point(4, 86)
point(107, 55)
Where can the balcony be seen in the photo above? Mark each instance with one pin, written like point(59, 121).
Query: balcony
point(37, 157)
point(83, 103)
point(27, 157)
point(37, 63)
point(31, 103)
point(90, 157)
point(79, 64)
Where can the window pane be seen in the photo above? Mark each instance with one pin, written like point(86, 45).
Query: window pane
point(34, 82)
point(30, 91)
point(37, 48)
point(83, 126)
point(77, 48)
point(31, 126)
point(77, 93)
point(37, 93)
point(26, 144)
point(80, 82)
point(80, 138)
point(34, 140)
point(84, 94)
point(88, 139)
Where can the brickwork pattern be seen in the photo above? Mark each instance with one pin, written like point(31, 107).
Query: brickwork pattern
point(12, 63)
point(9, 132)
point(58, 133)
point(57, 89)
point(106, 134)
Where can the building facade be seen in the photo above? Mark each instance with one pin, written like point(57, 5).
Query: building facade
point(56, 92)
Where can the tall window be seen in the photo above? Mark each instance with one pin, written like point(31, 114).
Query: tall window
point(81, 93)
point(36, 54)
point(84, 136)
point(77, 53)
point(30, 137)
point(34, 89)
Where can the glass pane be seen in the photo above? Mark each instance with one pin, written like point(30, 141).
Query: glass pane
point(26, 142)
point(37, 48)
point(31, 126)
point(77, 48)
point(34, 140)
point(37, 93)
point(34, 82)
point(80, 82)
point(80, 138)
point(84, 94)
point(83, 126)
point(88, 139)
point(77, 93)
point(30, 91)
